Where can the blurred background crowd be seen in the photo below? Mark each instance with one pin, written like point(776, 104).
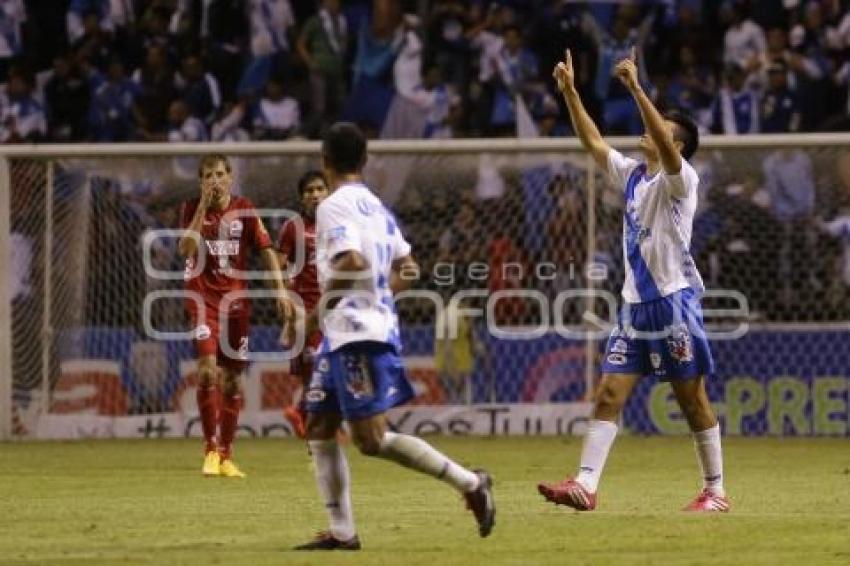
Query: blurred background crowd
point(232, 70)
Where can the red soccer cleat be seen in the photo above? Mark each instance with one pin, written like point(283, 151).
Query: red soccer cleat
point(298, 419)
point(568, 492)
point(707, 502)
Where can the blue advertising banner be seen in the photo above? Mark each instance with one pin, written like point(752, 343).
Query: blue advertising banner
point(769, 382)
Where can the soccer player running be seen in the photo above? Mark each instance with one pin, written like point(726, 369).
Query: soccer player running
point(660, 328)
point(362, 259)
point(226, 227)
point(312, 190)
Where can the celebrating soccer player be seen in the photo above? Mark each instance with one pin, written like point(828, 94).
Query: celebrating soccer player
point(660, 328)
point(312, 190)
point(226, 226)
point(362, 259)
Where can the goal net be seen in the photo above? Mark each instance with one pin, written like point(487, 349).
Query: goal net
point(519, 244)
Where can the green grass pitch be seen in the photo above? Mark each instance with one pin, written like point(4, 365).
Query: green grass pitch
point(145, 502)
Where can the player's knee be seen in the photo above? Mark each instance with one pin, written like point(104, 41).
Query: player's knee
point(609, 399)
point(230, 388)
point(696, 410)
point(368, 444)
point(321, 427)
point(206, 376)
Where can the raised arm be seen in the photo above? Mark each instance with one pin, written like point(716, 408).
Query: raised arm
point(656, 128)
point(583, 124)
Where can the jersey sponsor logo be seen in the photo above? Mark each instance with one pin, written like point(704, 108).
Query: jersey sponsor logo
point(620, 346)
point(223, 247)
point(680, 345)
point(616, 359)
point(236, 227)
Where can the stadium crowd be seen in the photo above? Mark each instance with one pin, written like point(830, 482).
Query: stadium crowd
point(197, 70)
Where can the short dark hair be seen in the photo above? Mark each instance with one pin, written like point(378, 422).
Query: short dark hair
point(211, 160)
point(344, 148)
point(308, 178)
point(686, 132)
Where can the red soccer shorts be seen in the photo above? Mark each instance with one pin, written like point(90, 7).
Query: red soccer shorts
point(209, 340)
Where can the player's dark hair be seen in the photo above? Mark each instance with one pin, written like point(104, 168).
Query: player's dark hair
point(686, 131)
point(344, 148)
point(308, 178)
point(211, 160)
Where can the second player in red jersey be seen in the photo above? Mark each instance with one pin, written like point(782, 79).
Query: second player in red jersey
point(297, 241)
point(221, 230)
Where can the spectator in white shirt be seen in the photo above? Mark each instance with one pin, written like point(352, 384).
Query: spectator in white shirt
point(22, 118)
point(271, 22)
point(13, 14)
point(744, 39)
point(183, 127)
point(276, 116)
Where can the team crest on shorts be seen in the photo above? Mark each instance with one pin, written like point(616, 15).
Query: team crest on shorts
point(357, 381)
point(679, 344)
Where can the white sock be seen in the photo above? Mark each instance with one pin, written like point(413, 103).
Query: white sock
point(333, 478)
point(415, 453)
point(597, 442)
point(710, 457)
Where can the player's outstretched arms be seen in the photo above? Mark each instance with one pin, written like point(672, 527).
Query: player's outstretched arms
point(627, 71)
point(583, 124)
point(404, 272)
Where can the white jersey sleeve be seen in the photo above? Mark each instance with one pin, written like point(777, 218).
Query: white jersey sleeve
point(335, 228)
point(680, 185)
point(619, 168)
point(400, 246)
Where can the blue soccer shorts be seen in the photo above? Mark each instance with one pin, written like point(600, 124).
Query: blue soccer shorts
point(359, 380)
point(665, 338)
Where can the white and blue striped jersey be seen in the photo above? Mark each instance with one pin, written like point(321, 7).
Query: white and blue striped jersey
point(657, 222)
point(352, 218)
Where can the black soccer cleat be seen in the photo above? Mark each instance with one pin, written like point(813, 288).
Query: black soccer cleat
point(326, 541)
point(481, 503)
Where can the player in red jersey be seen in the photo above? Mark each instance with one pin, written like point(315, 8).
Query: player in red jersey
point(312, 189)
point(226, 227)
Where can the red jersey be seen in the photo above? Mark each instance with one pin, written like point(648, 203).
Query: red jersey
point(226, 236)
point(306, 281)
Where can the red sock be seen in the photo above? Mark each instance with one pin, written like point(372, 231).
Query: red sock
point(229, 420)
point(208, 406)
